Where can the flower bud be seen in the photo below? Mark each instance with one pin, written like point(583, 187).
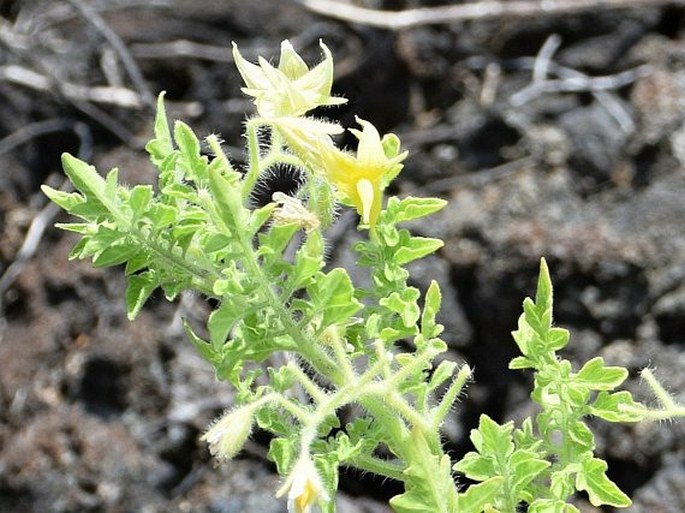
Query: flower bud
point(291, 210)
point(227, 434)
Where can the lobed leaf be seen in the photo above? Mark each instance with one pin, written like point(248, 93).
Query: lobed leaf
point(600, 489)
point(138, 290)
point(411, 208)
point(598, 377)
point(478, 496)
point(617, 407)
point(415, 248)
point(161, 146)
point(332, 294)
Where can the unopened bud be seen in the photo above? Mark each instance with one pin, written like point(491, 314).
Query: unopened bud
point(228, 434)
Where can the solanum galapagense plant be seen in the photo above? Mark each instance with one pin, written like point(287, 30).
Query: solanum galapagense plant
point(265, 267)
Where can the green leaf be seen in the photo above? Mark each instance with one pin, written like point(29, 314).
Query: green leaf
point(275, 420)
point(581, 436)
point(410, 502)
point(557, 338)
point(333, 295)
point(222, 320)
point(82, 228)
point(203, 347)
point(526, 466)
point(477, 497)
point(273, 242)
point(227, 197)
point(283, 452)
point(115, 254)
point(139, 199)
point(66, 200)
point(476, 467)
point(87, 180)
point(101, 241)
point(543, 295)
point(137, 262)
point(524, 335)
point(162, 216)
point(415, 248)
point(160, 147)
point(429, 485)
point(191, 161)
point(215, 242)
point(139, 288)
point(496, 439)
point(308, 261)
point(598, 377)
point(600, 489)
point(410, 208)
point(404, 304)
point(327, 467)
point(431, 307)
point(260, 216)
point(551, 506)
point(617, 407)
point(561, 483)
point(521, 362)
point(443, 372)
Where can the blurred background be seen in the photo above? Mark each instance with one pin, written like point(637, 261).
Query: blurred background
point(555, 132)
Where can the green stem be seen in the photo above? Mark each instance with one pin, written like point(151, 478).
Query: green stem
point(378, 466)
point(253, 168)
point(309, 386)
point(659, 391)
point(441, 411)
point(300, 414)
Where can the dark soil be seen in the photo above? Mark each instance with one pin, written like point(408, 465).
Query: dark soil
point(100, 414)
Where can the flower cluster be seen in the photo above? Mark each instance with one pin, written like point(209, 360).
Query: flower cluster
point(284, 94)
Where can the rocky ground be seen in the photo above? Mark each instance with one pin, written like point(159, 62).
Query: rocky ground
point(559, 135)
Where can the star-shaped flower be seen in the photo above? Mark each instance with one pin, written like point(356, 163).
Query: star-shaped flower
point(304, 487)
point(291, 89)
point(361, 178)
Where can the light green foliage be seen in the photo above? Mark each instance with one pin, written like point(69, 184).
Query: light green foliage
point(265, 267)
point(545, 461)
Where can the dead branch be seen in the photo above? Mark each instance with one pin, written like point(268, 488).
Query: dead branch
point(601, 91)
point(120, 48)
point(485, 9)
point(579, 83)
point(44, 218)
point(118, 96)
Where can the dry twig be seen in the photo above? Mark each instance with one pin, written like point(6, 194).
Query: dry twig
point(120, 47)
point(119, 96)
point(573, 80)
point(485, 9)
point(44, 218)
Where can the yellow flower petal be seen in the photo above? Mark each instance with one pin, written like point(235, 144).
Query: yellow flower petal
point(366, 199)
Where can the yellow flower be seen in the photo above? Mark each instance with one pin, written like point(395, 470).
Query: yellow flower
point(292, 89)
point(304, 487)
point(361, 179)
